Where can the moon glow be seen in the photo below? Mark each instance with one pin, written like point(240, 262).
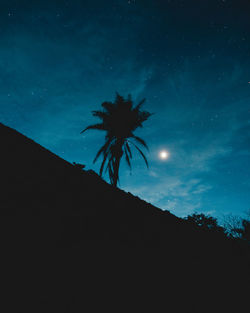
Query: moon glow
point(163, 155)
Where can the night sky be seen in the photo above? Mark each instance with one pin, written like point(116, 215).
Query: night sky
point(190, 59)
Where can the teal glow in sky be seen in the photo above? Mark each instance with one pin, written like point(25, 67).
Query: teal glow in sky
point(60, 60)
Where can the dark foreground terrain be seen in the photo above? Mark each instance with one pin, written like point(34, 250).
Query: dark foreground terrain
point(72, 243)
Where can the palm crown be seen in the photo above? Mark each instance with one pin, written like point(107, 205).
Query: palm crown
point(119, 119)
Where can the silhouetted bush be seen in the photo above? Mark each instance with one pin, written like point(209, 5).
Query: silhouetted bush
point(79, 166)
point(206, 222)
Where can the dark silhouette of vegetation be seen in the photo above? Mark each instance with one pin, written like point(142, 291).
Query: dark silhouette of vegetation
point(70, 242)
point(245, 233)
point(237, 227)
point(233, 226)
point(206, 222)
point(245, 230)
point(79, 166)
point(119, 119)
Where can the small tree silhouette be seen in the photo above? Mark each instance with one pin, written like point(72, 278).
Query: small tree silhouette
point(238, 227)
point(233, 226)
point(245, 231)
point(119, 119)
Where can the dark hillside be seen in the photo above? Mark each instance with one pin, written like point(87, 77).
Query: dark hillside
point(72, 243)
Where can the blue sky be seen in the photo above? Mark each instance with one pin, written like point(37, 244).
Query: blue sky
point(60, 60)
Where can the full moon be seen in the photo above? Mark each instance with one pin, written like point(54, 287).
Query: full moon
point(163, 155)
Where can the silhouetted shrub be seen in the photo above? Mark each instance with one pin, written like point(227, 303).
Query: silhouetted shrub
point(79, 166)
point(206, 222)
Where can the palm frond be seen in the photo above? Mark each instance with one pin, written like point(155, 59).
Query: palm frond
point(142, 154)
point(102, 115)
point(103, 162)
point(110, 167)
point(129, 150)
point(102, 150)
point(140, 140)
point(127, 157)
point(108, 106)
point(95, 126)
point(111, 175)
point(119, 99)
point(137, 108)
point(143, 116)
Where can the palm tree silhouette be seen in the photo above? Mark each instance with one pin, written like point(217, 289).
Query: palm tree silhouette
point(119, 119)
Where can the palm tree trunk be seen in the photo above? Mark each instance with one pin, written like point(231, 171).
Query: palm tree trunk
point(116, 170)
point(117, 162)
